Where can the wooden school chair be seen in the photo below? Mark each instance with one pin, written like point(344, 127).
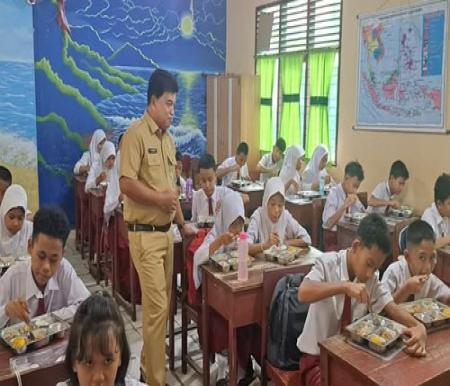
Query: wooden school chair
point(81, 215)
point(278, 376)
point(316, 225)
point(96, 219)
point(363, 198)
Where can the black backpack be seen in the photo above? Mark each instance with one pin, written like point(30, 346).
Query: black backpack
point(287, 317)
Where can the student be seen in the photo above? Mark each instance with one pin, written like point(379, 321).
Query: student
point(271, 224)
point(206, 201)
point(271, 163)
point(98, 352)
point(93, 154)
point(341, 200)
point(438, 214)
point(341, 287)
point(234, 168)
point(181, 182)
point(292, 165)
point(5, 181)
point(316, 168)
point(15, 230)
point(411, 278)
point(46, 282)
point(383, 198)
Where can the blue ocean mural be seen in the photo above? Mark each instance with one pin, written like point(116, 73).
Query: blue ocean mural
point(92, 63)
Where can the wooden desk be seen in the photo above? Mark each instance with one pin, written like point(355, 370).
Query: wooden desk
point(255, 197)
point(81, 212)
point(442, 269)
point(42, 376)
point(96, 218)
point(240, 303)
point(344, 365)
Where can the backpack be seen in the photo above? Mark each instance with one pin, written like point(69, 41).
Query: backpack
point(287, 317)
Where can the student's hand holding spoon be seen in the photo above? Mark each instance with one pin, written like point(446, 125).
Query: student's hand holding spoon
point(227, 238)
point(18, 309)
point(357, 291)
point(350, 200)
point(416, 283)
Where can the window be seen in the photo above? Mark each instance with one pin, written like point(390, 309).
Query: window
point(303, 36)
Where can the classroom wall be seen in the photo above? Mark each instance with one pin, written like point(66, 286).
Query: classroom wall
point(426, 155)
point(17, 97)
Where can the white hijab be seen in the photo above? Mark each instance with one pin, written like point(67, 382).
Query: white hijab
point(289, 169)
point(266, 227)
point(232, 207)
point(14, 245)
point(112, 177)
point(312, 170)
point(98, 136)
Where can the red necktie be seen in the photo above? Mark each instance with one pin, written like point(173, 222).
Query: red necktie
point(210, 206)
point(41, 307)
point(346, 318)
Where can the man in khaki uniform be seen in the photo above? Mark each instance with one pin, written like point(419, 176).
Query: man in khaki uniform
point(147, 179)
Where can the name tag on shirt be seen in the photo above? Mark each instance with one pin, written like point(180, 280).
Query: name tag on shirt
point(152, 150)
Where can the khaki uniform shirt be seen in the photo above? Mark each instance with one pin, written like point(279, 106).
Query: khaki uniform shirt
point(151, 160)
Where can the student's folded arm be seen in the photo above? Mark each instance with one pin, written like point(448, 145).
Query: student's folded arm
point(401, 295)
point(395, 312)
point(223, 171)
point(334, 219)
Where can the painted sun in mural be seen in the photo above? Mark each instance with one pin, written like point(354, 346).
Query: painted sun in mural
point(187, 26)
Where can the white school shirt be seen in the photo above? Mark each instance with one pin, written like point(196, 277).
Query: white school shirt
point(440, 225)
point(335, 200)
point(226, 179)
point(397, 274)
point(85, 160)
point(64, 292)
point(128, 382)
point(182, 185)
point(267, 162)
point(381, 192)
point(200, 208)
point(324, 316)
point(293, 229)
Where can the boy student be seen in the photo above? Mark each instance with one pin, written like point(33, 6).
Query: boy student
point(342, 287)
point(5, 181)
point(234, 168)
point(46, 282)
point(438, 214)
point(383, 198)
point(270, 163)
point(341, 200)
point(411, 278)
point(207, 200)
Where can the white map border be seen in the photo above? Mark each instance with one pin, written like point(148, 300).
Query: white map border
point(440, 129)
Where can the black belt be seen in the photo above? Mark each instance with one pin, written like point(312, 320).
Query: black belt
point(149, 228)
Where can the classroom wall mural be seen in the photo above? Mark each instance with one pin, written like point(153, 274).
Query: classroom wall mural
point(92, 63)
point(17, 98)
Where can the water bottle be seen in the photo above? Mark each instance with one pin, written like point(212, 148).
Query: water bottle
point(242, 257)
point(322, 185)
point(189, 188)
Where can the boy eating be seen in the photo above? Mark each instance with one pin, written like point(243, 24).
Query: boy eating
point(342, 287)
point(411, 278)
point(45, 283)
point(270, 163)
point(383, 198)
point(234, 168)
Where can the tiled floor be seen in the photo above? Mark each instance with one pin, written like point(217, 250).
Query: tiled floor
point(134, 330)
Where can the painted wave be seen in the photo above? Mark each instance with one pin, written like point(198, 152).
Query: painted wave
point(17, 150)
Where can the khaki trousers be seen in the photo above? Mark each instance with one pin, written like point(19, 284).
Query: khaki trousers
point(152, 254)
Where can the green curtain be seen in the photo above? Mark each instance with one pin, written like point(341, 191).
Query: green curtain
point(291, 80)
point(265, 68)
point(320, 68)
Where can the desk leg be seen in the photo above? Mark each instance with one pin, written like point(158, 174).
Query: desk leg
point(232, 354)
point(205, 331)
point(173, 305)
point(324, 378)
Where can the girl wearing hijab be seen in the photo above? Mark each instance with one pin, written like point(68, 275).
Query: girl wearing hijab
point(92, 155)
point(15, 230)
point(290, 172)
point(271, 224)
point(316, 168)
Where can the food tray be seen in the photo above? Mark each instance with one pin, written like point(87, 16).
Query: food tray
point(226, 262)
point(205, 222)
point(240, 183)
point(7, 261)
point(309, 194)
point(19, 337)
point(428, 311)
point(376, 332)
point(355, 217)
point(284, 254)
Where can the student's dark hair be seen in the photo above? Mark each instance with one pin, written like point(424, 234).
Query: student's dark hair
point(418, 231)
point(281, 144)
point(242, 148)
point(399, 169)
point(207, 161)
point(373, 231)
point(178, 155)
point(120, 139)
point(52, 222)
point(442, 188)
point(5, 175)
point(161, 81)
point(354, 169)
point(95, 320)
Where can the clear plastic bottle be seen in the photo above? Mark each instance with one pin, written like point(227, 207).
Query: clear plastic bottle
point(189, 188)
point(243, 256)
point(322, 184)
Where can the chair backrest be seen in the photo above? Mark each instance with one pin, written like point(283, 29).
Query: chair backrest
point(363, 198)
point(316, 226)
